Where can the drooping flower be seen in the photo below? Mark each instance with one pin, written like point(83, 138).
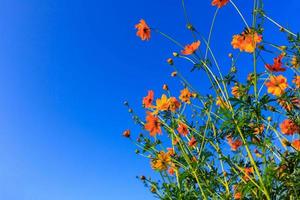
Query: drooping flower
point(246, 41)
point(288, 127)
point(296, 144)
point(192, 142)
point(219, 3)
point(183, 129)
point(152, 124)
point(277, 85)
point(191, 48)
point(297, 81)
point(143, 30)
point(147, 101)
point(234, 144)
point(161, 162)
point(185, 96)
point(277, 66)
point(295, 62)
point(174, 104)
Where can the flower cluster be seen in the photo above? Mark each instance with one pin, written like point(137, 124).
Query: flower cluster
point(241, 141)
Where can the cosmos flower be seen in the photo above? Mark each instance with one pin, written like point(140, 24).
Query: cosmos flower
point(295, 62)
point(277, 85)
point(235, 91)
point(234, 144)
point(192, 142)
point(161, 162)
point(143, 30)
point(219, 3)
point(296, 144)
point(185, 96)
point(182, 129)
point(152, 124)
point(174, 104)
point(246, 41)
point(191, 48)
point(297, 81)
point(277, 66)
point(147, 101)
point(288, 127)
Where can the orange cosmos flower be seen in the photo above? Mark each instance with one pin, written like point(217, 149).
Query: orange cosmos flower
point(185, 96)
point(277, 85)
point(277, 66)
point(235, 91)
point(172, 169)
point(143, 30)
point(288, 127)
point(147, 101)
point(190, 48)
point(182, 129)
point(297, 81)
point(219, 3)
point(246, 41)
point(192, 142)
point(248, 171)
point(174, 104)
point(161, 162)
point(237, 195)
point(296, 144)
point(162, 104)
point(234, 144)
point(152, 124)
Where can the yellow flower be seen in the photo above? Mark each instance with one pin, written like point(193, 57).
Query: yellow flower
point(277, 85)
point(220, 102)
point(246, 41)
point(297, 81)
point(295, 62)
point(162, 104)
point(161, 162)
point(235, 91)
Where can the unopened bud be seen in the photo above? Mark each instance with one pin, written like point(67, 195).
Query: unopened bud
point(173, 74)
point(165, 87)
point(126, 133)
point(170, 61)
point(175, 54)
point(269, 119)
point(230, 55)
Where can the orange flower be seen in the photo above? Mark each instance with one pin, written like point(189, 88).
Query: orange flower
point(147, 101)
point(259, 130)
point(295, 62)
point(162, 104)
point(277, 85)
point(172, 169)
point(126, 133)
point(171, 151)
point(161, 162)
point(182, 129)
point(296, 144)
point(277, 66)
point(174, 104)
point(143, 30)
point(234, 144)
point(297, 81)
point(190, 48)
point(185, 96)
point(288, 127)
point(235, 91)
point(192, 142)
point(219, 3)
point(248, 171)
point(153, 124)
point(220, 102)
point(246, 41)
point(237, 195)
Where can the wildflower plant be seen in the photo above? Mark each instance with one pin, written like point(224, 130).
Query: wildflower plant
point(242, 140)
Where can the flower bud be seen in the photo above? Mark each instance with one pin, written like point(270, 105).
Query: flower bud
point(233, 69)
point(175, 54)
point(174, 74)
point(230, 55)
point(126, 133)
point(142, 178)
point(282, 29)
point(125, 103)
point(269, 119)
point(170, 61)
point(130, 110)
point(165, 87)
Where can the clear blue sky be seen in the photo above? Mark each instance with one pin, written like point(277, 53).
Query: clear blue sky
point(65, 69)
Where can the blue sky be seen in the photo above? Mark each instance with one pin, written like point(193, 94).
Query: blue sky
point(65, 69)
